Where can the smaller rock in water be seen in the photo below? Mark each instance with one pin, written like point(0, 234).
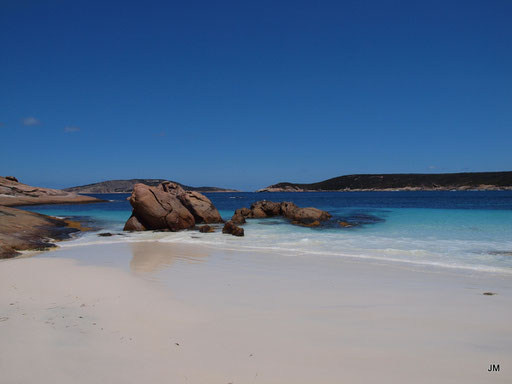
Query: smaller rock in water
point(133, 224)
point(489, 293)
point(345, 224)
point(206, 229)
point(238, 217)
point(232, 229)
point(315, 223)
point(105, 234)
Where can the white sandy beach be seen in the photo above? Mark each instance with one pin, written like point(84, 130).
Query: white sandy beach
point(152, 312)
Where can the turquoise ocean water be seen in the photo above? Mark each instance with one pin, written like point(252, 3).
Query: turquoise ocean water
point(467, 230)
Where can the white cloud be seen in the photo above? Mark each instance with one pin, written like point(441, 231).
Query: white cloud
point(28, 121)
point(71, 129)
point(432, 167)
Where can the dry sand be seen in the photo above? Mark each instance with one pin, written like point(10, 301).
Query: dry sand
point(165, 313)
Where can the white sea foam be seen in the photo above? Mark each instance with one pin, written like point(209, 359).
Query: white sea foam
point(291, 241)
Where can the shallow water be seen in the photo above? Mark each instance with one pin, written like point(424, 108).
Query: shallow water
point(470, 230)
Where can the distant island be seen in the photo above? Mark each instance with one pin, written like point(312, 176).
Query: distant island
point(483, 181)
point(126, 186)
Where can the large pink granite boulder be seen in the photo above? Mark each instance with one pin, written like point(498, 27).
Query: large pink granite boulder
point(169, 207)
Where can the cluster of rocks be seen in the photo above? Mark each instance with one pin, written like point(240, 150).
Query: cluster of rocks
point(166, 207)
point(169, 207)
point(308, 217)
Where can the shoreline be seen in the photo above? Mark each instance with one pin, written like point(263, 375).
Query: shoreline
point(245, 317)
point(143, 237)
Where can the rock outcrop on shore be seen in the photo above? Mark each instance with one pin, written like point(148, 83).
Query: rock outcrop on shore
point(309, 216)
point(21, 230)
point(13, 193)
point(169, 207)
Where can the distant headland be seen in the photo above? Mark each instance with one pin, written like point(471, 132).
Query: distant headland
point(482, 181)
point(126, 186)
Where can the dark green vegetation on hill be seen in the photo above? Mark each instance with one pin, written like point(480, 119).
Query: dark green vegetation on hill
point(126, 186)
point(412, 181)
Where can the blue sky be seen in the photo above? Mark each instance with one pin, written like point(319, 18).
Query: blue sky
point(244, 94)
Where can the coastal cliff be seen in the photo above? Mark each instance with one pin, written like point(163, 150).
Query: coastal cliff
point(484, 181)
point(126, 186)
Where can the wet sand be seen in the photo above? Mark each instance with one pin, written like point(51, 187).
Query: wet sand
point(163, 312)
